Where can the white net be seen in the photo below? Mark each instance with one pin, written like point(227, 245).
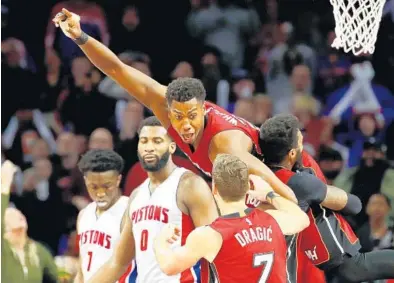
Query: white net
point(357, 24)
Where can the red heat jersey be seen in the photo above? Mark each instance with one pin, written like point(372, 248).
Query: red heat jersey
point(253, 250)
point(218, 120)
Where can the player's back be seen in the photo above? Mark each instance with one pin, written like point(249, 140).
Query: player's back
point(216, 120)
point(99, 235)
point(253, 250)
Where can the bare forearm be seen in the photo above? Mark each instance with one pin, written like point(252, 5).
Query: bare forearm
point(282, 204)
point(165, 258)
point(258, 168)
point(335, 199)
point(101, 56)
point(108, 273)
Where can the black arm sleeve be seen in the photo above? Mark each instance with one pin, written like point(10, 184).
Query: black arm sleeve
point(353, 205)
point(308, 188)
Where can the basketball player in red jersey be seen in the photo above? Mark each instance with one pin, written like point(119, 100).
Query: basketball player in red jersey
point(329, 242)
point(200, 129)
point(244, 245)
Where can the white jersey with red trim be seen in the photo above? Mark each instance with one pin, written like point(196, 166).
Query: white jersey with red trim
point(149, 213)
point(98, 237)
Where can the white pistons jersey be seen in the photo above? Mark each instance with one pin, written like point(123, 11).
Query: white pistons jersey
point(99, 235)
point(149, 213)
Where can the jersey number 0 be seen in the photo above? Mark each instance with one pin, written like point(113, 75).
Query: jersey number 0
point(264, 259)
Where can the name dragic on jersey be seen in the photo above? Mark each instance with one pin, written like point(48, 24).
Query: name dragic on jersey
point(149, 213)
point(99, 235)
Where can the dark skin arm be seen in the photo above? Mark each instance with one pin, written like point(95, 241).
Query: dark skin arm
point(145, 89)
point(239, 144)
point(196, 200)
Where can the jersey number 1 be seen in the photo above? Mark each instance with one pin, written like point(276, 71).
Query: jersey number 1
point(264, 259)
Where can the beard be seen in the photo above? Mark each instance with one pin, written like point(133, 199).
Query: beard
point(298, 163)
point(159, 164)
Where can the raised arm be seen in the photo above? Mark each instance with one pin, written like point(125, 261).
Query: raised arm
point(124, 253)
point(203, 242)
point(143, 88)
point(288, 215)
point(235, 142)
point(8, 170)
point(198, 200)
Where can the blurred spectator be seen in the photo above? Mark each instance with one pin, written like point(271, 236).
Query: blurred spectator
point(368, 128)
point(280, 63)
point(244, 108)
point(137, 60)
point(40, 195)
point(306, 109)
point(333, 69)
point(182, 70)
point(93, 22)
point(129, 35)
point(263, 108)
point(362, 95)
point(130, 120)
point(101, 139)
point(375, 234)
point(214, 75)
point(82, 95)
point(22, 258)
point(331, 163)
point(372, 176)
point(24, 129)
point(225, 26)
point(20, 83)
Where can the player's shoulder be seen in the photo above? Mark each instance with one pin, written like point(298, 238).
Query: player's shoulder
point(190, 180)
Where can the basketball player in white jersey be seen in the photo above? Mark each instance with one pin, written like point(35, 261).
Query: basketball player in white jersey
point(170, 194)
point(99, 225)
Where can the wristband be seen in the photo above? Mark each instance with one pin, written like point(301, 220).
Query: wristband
point(82, 39)
point(271, 195)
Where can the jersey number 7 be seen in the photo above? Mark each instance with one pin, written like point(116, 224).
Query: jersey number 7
point(264, 259)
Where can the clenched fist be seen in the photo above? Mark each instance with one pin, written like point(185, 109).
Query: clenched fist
point(69, 23)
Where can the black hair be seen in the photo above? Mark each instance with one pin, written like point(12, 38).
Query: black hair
point(185, 89)
point(278, 135)
point(387, 199)
point(329, 154)
point(151, 121)
point(101, 160)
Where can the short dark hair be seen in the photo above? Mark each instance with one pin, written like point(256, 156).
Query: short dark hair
point(151, 121)
point(278, 135)
point(101, 160)
point(185, 89)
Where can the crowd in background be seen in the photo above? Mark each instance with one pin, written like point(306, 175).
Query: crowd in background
point(255, 59)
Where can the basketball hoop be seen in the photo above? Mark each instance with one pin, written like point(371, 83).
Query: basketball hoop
point(357, 24)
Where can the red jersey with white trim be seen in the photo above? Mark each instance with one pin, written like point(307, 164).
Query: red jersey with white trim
point(217, 120)
point(329, 236)
point(253, 250)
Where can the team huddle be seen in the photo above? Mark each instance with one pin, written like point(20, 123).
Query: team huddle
point(268, 216)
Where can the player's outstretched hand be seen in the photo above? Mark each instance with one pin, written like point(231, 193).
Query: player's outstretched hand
point(170, 233)
point(259, 188)
point(8, 170)
point(69, 23)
